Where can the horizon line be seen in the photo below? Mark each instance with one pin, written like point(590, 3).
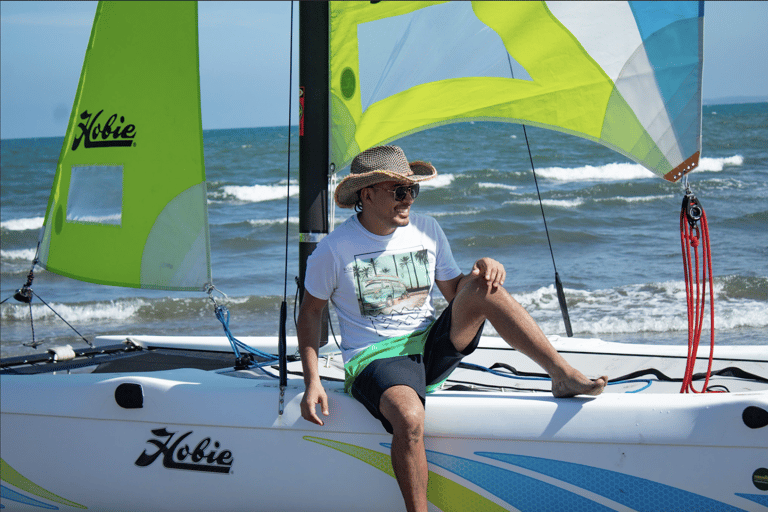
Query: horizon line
point(726, 100)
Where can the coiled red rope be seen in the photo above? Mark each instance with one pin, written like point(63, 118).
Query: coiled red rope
point(694, 235)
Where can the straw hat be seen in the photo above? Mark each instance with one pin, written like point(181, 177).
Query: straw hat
point(377, 164)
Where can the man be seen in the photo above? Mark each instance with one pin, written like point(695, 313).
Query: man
point(394, 351)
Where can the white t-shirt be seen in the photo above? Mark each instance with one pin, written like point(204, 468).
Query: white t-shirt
point(381, 286)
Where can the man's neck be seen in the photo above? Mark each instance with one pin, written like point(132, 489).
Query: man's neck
point(374, 226)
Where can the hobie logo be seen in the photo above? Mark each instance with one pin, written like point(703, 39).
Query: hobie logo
point(95, 135)
point(178, 456)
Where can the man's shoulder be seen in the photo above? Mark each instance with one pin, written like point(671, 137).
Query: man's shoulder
point(345, 229)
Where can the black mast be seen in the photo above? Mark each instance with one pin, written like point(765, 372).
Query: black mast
point(313, 133)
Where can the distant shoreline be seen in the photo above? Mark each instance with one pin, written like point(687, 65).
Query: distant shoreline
point(733, 100)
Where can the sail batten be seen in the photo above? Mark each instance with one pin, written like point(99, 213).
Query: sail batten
point(624, 74)
point(128, 205)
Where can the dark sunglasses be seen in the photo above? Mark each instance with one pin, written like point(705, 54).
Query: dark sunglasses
point(402, 190)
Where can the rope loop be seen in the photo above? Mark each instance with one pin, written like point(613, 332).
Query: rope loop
point(243, 361)
point(697, 269)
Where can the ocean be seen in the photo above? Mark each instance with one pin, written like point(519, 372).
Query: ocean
point(614, 229)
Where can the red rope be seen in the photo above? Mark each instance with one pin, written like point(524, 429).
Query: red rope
point(693, 236)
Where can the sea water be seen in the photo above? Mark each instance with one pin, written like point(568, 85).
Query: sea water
point(614, 229)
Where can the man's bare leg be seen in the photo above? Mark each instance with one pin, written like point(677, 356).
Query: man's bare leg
point(403, 409)
point(475, 303)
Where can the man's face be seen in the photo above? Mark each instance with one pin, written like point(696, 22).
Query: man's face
point(387, 210)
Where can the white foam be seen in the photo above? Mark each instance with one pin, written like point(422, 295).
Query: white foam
point(651, 308)
point(717, 164)
point(18, 254)
point(259, 193)
point(607, 172)
point(454, 213)
point(113, 219)
point(640, 199)
point(627, 171)
point(228, 300)
point(554, 203)
point(23, 224)
point(440, 181)
point(497, 186)
point(271, 222)
point(112, 311)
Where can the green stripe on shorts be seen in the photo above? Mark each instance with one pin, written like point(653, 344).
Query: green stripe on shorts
point(406, 345)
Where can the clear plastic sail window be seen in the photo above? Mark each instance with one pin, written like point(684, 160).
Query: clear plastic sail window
point(95, 194)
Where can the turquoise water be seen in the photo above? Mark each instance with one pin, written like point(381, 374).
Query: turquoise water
point(614, 229)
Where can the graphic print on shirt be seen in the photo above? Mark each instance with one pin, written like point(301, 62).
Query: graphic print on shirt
point(388, 284)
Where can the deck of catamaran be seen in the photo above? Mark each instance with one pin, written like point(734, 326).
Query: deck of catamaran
point(494, 367)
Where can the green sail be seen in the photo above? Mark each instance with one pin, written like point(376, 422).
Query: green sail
point(128, 205)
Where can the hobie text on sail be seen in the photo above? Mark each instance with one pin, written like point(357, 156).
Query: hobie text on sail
point(110, 134)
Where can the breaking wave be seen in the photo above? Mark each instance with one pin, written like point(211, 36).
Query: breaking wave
point(626, 171)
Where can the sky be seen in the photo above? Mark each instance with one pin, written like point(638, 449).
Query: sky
point(244, 56)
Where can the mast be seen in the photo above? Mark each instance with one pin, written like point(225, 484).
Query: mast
point(313, 134)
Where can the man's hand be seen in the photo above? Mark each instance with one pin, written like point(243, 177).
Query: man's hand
point(491, 270)
point(314, 395)
point(308, 332)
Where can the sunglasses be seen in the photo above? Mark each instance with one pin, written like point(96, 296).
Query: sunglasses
point(402, 190)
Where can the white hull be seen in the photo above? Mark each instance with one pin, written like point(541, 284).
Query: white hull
point(71, 446)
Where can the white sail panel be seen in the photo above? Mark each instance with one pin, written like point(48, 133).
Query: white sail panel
point(624, 74)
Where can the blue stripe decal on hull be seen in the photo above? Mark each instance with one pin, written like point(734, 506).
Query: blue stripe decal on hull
point(638, 493)
point(9, 494)
point(522, 492)
point(760, 499)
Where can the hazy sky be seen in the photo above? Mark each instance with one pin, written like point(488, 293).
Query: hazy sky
point(244, 61)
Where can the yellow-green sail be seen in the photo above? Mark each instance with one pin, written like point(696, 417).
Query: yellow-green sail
point(624, 74)
point(128, 205)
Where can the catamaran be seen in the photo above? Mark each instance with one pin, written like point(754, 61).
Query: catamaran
point(183, 423)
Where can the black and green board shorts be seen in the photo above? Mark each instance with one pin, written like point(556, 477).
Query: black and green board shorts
point(422, 361)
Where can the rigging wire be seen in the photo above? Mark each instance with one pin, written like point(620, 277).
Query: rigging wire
point(281, 345)
point(58, 315)
point(558, 283)
point(288, 183)
point(25, 294)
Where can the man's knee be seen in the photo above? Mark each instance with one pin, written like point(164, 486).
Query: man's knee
point(476, 295)
point(402, 407)
point(410, 426)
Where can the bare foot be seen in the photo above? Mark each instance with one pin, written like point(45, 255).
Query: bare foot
point(578, 384)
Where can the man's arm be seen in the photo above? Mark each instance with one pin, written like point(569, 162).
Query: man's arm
point(490, 269)
point(308, 332)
